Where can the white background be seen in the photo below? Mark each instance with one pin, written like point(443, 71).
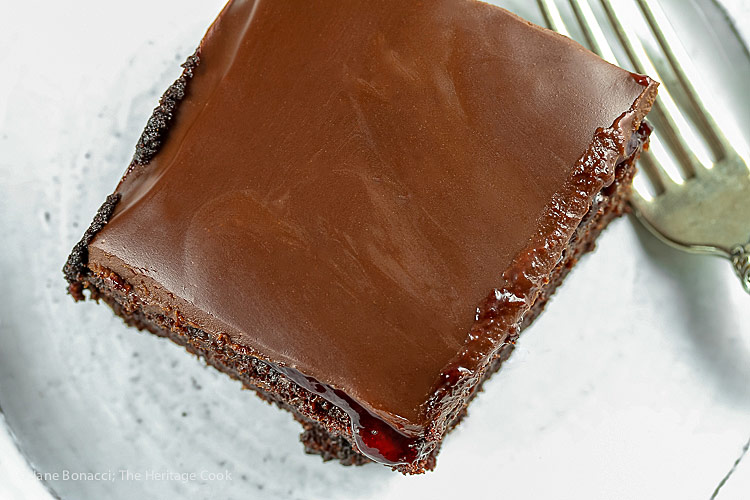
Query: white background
point(63, 55)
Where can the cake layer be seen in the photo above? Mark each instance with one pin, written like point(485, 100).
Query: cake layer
point(368, 196)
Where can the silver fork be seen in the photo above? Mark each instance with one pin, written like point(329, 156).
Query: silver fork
point(697, 197)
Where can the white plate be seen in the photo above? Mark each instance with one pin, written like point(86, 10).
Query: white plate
point(633, 384)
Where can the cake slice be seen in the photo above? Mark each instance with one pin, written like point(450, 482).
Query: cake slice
point(354, 207)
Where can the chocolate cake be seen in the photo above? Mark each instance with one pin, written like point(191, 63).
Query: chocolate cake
point(355, 207)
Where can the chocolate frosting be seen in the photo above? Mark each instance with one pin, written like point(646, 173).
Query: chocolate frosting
point(344, 183)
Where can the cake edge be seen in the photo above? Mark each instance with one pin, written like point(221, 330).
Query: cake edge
point(500, 315)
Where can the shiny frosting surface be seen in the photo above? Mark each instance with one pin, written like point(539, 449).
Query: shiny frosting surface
point(345, 182)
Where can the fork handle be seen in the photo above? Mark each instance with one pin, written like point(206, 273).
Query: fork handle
point(740, 257)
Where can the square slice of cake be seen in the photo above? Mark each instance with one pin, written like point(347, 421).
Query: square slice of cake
point(354, 207)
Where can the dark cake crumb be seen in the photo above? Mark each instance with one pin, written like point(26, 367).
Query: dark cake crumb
point(75, 268)
point(158, 125)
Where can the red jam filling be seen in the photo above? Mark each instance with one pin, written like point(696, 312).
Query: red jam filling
point(374, 438)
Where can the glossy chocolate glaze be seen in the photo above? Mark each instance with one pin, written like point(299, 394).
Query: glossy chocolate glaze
point(344, 183)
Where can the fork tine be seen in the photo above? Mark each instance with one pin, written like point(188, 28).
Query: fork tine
point(653, 169)
point(552, 17)
point(665, 108)
point(661, 178)
point(597, 42)
point(654, 173)
point(667, 40)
